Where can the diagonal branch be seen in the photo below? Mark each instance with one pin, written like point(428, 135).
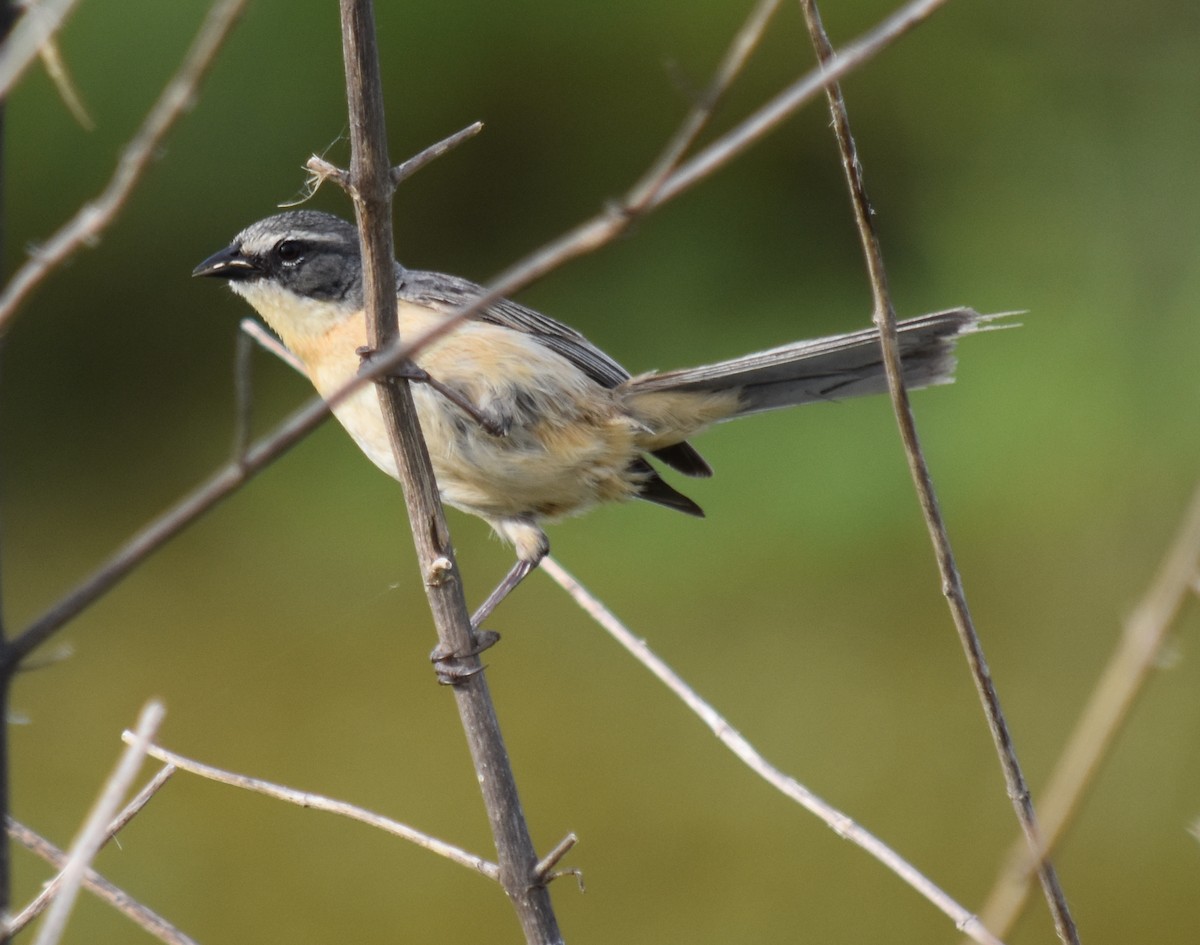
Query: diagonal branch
point(732, 739)
point(30, 35)
point(120, 900)
point(885, 320)
point(311, 801)
point(1122, 682)
point(91, 881)
point(83, 228)
point(92, 835)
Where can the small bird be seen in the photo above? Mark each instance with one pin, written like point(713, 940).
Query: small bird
point(527, 421)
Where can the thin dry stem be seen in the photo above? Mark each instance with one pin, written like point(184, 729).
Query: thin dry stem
point(269, 342)
point(743, 45)
point(952, 581)
point(44, 898)
point(841, 824)
point(41, 21)
point(1102, 719)
point(93, 217)
point(92, 835)
point(372, 185)
point(312, 801)
point(96, 884)
point(57, 70)
point(402, 172)
point(545, 866)
point(610, 223)
point(885, 319)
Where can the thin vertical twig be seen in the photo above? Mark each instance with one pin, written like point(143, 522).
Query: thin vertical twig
point(952, 586)
point(745, 41)
point(371, 187)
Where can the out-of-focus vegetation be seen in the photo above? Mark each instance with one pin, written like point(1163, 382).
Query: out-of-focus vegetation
point(1021, 156)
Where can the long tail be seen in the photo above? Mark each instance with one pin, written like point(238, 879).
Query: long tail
point(675, 405)
point(831, 368)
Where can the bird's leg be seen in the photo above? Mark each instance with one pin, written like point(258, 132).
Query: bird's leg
point(418, 375)
point(519, 572)
point(445, 660)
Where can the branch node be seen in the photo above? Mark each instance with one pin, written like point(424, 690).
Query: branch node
point(320, 170)
point(544, 871)
point(441, 570)
point(405, 170)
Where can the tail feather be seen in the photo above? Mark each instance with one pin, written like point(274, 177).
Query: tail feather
point(832, 368)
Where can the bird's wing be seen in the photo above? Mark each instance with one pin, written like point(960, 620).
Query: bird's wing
point(448, 293)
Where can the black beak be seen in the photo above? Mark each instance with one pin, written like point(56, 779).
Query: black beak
point(229, 264)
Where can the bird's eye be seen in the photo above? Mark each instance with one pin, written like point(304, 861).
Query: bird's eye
point(289, 251)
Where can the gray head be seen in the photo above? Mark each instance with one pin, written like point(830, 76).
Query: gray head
point(311, 254)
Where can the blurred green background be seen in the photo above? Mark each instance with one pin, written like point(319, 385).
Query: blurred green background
point(1021, 156)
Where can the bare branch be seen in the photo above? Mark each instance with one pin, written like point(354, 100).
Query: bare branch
point(223, 483)
point(1104, 716)
point(885, 320)
point(319, 171)
point(57, 70)
point(41, 21)
point(372, 186)
point(767, 118)
point(92, 834)
point(545, 866)
point(50, 890)
point(402, 172)
point(120, 900)
point(732, 739)
point(269, 342)
point(744, 43)
point(94, 216)
point(319, 802)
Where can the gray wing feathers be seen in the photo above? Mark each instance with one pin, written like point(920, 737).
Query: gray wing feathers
point(828, 368)
point(451, 292)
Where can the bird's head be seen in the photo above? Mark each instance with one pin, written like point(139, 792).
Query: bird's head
point(301, 270)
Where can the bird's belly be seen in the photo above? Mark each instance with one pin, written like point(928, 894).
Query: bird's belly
point(565, 450)
point(543, 468)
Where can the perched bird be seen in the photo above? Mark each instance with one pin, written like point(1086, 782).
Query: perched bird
point(527, 421)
